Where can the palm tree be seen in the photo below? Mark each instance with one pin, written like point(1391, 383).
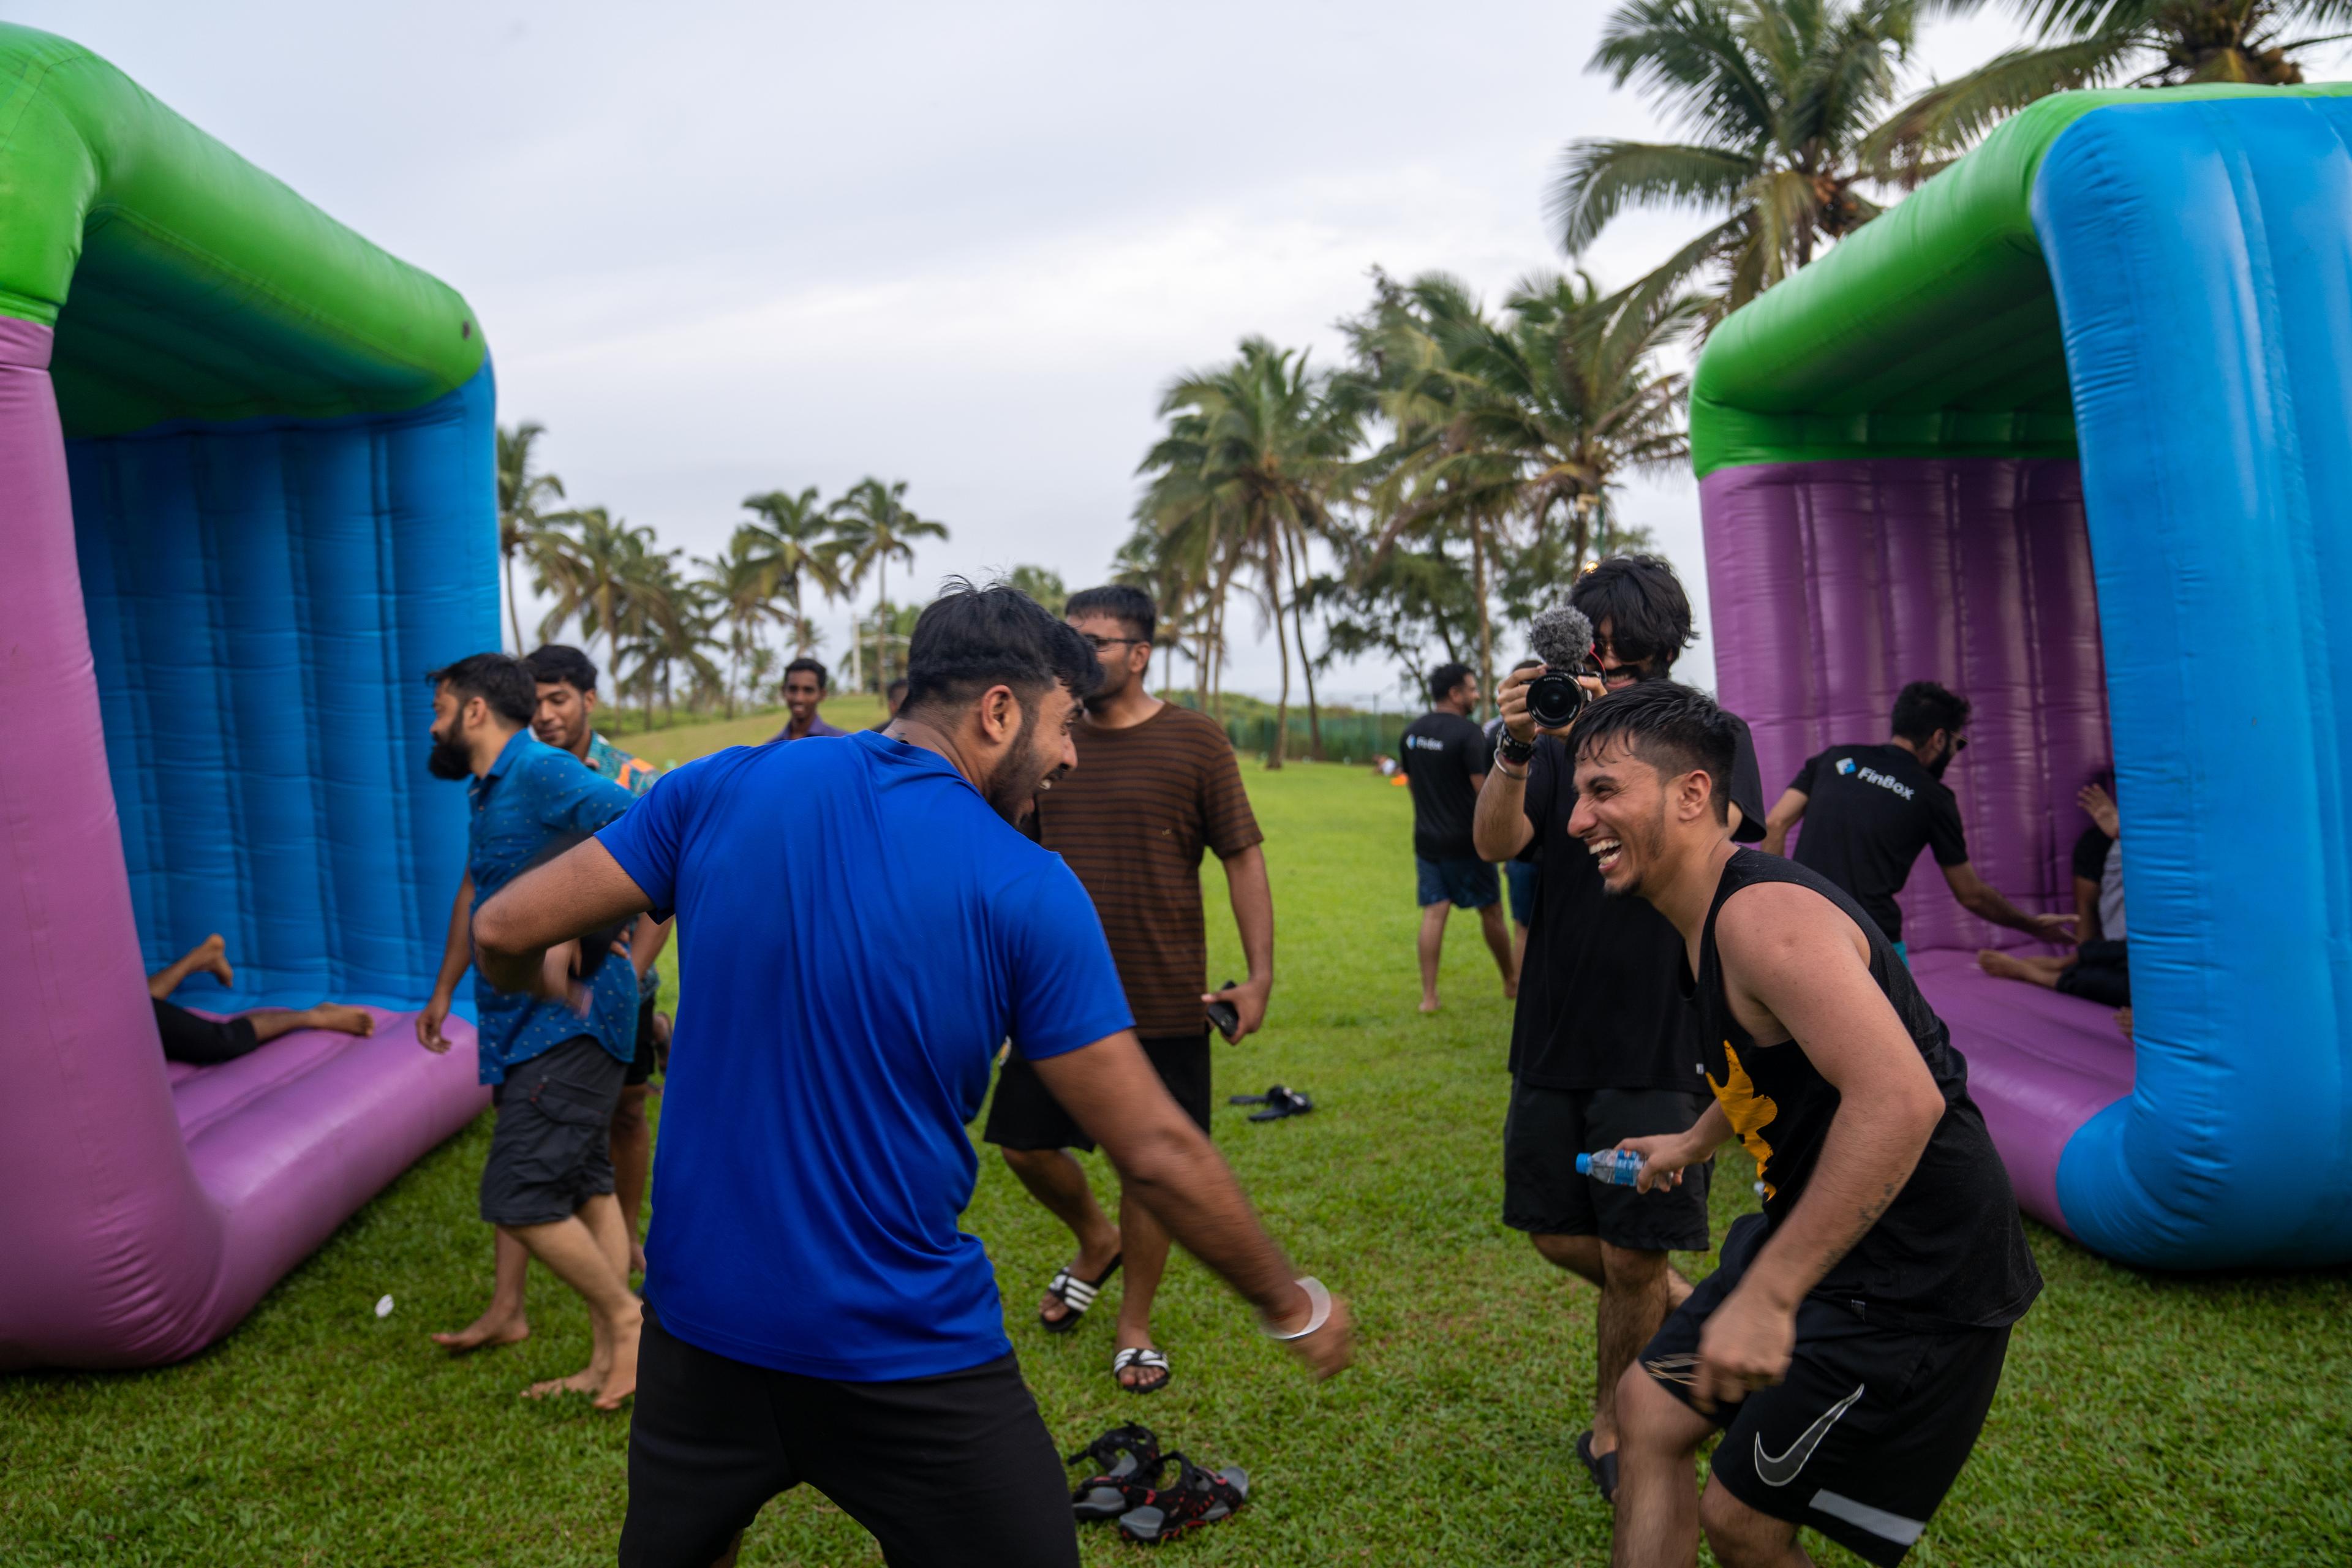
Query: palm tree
point(741, 581)
point(1042, 584)
point(1781, 95)
point(792, 541)
point(592, 562)
point(1528, 423)
point(1253, 451)
point(2101, 43)
point(874, 526)
point(521, 494)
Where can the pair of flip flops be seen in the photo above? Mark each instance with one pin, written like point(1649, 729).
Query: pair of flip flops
point(1125, 1487)
point(1278, 1101)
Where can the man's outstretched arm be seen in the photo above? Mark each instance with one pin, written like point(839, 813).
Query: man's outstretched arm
point(1982, 899)
point(1786, 813)
point(1112, 1091)
point(576, 892)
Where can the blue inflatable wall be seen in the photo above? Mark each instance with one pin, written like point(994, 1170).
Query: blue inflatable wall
point(2203, 259)
point(264, 599)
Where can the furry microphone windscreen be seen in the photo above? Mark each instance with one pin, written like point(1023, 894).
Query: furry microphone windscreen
point(1561, 637)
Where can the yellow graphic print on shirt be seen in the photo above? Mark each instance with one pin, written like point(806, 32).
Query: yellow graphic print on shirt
point(1749, 1113)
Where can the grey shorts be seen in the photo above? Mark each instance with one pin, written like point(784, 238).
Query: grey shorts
point(552, 1150)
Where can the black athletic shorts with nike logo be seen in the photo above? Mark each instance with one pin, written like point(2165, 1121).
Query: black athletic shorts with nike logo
point(1868, 1432)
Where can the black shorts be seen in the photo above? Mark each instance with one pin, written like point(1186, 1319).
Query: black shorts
point(2101, 972)
point(1546, 1129)
point(199, 1041)
point(1026, 1115)
point(641, 1066)
point(1467, 883)
point(1870, 1429)
point(954, 1471)
point(553, 1150)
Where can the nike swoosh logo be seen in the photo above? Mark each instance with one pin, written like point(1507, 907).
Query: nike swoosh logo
point(1779, 1471)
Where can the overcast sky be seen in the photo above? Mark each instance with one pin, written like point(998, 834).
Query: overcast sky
point(720, 248)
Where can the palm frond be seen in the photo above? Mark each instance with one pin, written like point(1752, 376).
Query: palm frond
point(1596, 179)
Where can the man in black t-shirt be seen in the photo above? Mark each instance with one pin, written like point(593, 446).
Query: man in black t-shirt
point(1445, 759)
point(1604, 1046)
point(1849, 1345)
point(1869, 810)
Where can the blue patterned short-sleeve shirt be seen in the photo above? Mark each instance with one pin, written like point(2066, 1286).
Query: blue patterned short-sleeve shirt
point(533, 793)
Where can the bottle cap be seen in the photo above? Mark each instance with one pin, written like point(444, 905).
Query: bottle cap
point(1584, 1164)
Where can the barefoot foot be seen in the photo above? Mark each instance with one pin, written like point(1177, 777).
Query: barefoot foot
point(584, 1381)
point(491, 1329)
point(621, 1378)
point(212, 957)
point(344, 1020)
point(1429, 1004)
point(1993, 962)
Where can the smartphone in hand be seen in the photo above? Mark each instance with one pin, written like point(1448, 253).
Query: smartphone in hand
point(1224, 1014)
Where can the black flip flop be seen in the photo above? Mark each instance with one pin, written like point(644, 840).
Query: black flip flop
point(1601, 1467)
point(1281, 1103)
point(1076, 1294)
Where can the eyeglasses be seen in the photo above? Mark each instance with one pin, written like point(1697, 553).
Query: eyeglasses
point(1104, 644)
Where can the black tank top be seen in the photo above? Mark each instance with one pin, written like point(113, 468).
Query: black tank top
point(1949, 1252)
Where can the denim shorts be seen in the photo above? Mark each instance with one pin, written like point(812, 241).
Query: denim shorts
point(1466, 884)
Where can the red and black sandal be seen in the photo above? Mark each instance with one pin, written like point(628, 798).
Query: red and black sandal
point(1198, 1497)
point(1127, 1465)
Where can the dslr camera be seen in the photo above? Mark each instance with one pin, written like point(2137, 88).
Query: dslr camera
point(1561, 637)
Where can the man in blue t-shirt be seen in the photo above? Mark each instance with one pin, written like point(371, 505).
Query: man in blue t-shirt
point(554, 1061)
point(864, 926)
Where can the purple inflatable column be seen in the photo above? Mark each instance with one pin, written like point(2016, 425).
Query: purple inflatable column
point(109, 1240)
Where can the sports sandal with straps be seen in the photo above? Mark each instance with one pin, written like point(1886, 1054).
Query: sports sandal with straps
point(1198, 1497)
point(1127, 1466)
point(1149, 1359)
point(1076, 1294)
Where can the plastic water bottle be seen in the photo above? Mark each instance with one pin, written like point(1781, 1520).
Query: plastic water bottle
point(1618, 1167)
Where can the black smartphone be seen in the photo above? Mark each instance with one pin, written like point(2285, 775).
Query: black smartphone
point(1224, 1014)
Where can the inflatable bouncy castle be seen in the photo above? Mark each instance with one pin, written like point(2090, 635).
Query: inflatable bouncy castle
point(2070, 430)
point(247, 492)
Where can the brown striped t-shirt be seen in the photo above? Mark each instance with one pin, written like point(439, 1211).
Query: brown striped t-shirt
point(1131, 820)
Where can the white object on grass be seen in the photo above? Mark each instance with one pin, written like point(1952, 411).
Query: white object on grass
point(384, 1306)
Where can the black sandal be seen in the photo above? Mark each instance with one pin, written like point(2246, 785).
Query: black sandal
point(1198, 1497)
point(1076, 1294)
point(1127, 1464)
point(1601, 1467)
point(1150, 1360)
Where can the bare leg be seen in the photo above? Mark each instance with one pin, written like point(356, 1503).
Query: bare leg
point(2124, 1020)
point(1579, 1254)
point(503, 1322)
point(1431, 943)
point(1637, 1294)
point(1657, 1488)
point(1059, 1182)
point(579, 1251)
point(268, 1023)
point(2033, 969)
point(1498, 932)
point(210, 955)
point(1518, 948)
point(1743, 1538)
point(632, 1161)
point(1146, 1243)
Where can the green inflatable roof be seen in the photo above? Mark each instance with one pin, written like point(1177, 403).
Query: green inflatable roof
point(1930, 332)
point(184, 282)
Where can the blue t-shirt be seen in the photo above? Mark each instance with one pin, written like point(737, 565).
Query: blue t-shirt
point(532, 794)
point(858, 931)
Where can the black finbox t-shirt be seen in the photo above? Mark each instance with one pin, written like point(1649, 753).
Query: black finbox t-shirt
point(1442, 752)
point(1601, 991)
point(1870, 810)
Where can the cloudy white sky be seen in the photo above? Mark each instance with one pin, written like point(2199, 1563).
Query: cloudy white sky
point(720, 248)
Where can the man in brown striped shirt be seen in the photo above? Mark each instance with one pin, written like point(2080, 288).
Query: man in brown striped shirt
point(1155, 785)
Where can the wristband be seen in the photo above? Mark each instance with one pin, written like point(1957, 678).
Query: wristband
point(1511, 748)
point(1503, 766)
point(1318, 1310)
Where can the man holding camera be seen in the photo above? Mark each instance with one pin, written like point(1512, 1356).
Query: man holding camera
point(1155, 785)
point(813, 1312)
point(1604, 1046)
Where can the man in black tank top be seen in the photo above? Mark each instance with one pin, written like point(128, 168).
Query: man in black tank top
point(1849, 1342)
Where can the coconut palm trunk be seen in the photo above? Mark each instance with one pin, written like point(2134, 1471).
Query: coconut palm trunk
point(1306, 660)
point(514, 616)
point(1486, 628)
point(1274, 596)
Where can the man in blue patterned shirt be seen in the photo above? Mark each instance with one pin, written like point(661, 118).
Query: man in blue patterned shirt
point(555, 1067)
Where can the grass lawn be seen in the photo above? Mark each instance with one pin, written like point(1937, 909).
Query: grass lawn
point(2143, 1419)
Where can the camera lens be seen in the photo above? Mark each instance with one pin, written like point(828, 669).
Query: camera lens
point(1554, 698)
